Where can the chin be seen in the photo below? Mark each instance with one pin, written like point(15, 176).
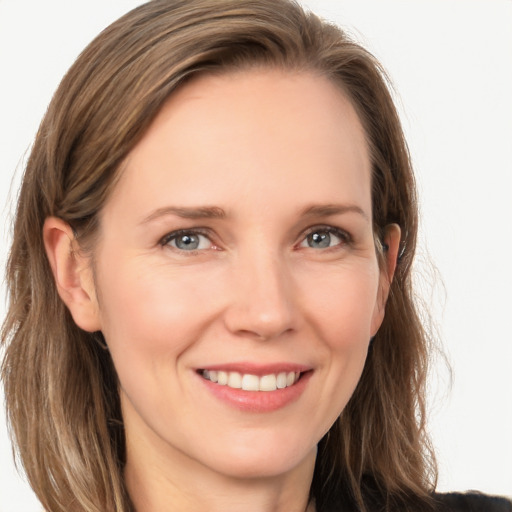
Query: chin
point(256, 461)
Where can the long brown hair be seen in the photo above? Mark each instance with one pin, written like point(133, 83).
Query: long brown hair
point(60, 382)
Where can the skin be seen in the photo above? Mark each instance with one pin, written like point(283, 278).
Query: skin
point(274, 151)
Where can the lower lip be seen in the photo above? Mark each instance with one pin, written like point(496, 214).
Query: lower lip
point(258, 401)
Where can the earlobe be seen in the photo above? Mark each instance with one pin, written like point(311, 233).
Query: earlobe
point(391, 245)
point(72, 273)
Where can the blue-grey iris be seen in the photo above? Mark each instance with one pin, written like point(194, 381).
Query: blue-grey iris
point(319, 239)
point(187, 242)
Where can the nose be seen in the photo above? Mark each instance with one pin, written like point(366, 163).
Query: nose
point(263, 303)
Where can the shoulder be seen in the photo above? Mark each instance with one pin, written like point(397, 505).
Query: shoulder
point(471, 502)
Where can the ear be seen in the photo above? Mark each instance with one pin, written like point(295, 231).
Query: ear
point(73, 274)
point(391, 245)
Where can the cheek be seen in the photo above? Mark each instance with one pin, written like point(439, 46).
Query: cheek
point(342, 303)
point(349, 317)
point(151, 314)
point(341, 310)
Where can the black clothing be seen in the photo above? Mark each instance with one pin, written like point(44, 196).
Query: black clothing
point(450, 502)
point(336, 496)
point(471, 502)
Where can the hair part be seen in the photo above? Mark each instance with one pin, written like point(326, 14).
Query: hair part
point(60, 383)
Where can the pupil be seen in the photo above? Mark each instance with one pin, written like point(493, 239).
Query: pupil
point(320, 240)
point(187, 242)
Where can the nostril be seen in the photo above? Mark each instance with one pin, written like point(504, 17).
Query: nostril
point(263, 334)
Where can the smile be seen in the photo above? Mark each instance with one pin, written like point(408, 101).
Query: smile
point(249, 382)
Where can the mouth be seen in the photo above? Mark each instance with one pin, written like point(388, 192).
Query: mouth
point(256, 388)
point(250, 382)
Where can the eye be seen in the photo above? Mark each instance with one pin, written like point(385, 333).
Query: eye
point(324, 238)
point(187, 240)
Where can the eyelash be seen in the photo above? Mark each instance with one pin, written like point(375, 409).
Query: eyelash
point(174, 235)
point(343, 235)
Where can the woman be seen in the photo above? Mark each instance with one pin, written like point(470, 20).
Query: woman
point(214, 238)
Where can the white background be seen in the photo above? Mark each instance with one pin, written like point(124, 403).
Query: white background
point(451, 62)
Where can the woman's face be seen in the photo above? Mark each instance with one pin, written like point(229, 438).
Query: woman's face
point(237, 247)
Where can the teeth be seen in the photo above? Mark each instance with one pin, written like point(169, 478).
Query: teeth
point(281, 380)
point(234, 380)
point(250, 382)
point(268, 383)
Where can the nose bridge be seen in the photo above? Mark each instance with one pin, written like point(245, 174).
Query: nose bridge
point(263, 302)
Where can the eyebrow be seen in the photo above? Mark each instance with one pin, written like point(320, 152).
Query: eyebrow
point(333, 209)
point(201, 212)
point(214, 212)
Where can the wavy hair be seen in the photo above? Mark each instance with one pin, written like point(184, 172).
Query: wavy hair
point(60, 383)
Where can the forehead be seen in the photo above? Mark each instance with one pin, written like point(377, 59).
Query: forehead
point(258, 131)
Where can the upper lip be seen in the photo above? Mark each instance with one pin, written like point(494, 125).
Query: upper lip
point(257, 369)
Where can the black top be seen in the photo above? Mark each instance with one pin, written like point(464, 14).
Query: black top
point(450, 502)
point(471, 502)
